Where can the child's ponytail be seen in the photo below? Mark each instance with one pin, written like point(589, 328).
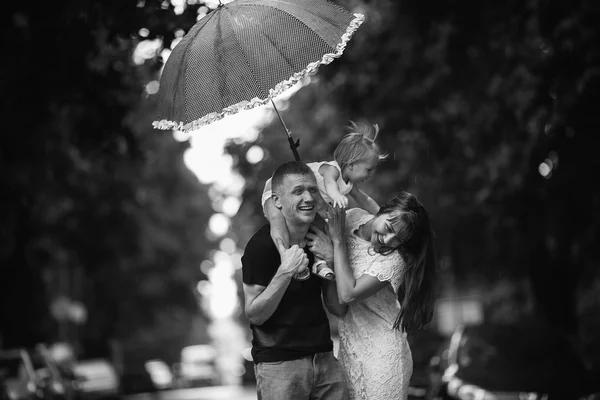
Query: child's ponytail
point(368, 132)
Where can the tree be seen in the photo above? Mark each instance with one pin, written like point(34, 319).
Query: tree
point(486, 111)
point(89, 187)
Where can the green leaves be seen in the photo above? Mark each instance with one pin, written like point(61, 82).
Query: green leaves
point(89, 188)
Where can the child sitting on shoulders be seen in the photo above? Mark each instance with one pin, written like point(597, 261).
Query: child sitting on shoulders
point(355, 159)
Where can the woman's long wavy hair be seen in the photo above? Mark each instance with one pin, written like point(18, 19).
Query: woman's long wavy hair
point(416, 292)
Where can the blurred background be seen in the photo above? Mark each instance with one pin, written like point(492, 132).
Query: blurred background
point(120, 245)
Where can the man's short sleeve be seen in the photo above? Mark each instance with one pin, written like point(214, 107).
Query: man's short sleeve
point(260, 260)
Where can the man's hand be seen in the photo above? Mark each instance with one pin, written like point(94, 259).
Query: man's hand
point(293, 260)
point(320, 244)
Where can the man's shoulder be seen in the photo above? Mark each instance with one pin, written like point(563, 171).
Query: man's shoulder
point(260, 241)
point(261, 235)
point(260, 259)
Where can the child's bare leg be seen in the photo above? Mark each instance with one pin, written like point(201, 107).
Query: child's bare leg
point(277, 221)
point(320, 267)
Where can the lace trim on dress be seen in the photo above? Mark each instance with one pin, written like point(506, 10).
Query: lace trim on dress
point(384, 273)
point(355, 375)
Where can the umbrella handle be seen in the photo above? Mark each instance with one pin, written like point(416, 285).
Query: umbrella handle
point(293, 145)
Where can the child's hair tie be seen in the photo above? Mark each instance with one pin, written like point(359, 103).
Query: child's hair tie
point(376, 126)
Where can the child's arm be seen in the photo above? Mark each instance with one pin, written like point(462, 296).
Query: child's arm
point(275, 217)
point(364, 201)
point(330, 177)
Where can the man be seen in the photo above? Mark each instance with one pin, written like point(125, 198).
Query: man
point(291, 341)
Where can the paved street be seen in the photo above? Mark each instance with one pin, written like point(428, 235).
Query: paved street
point(205, 393)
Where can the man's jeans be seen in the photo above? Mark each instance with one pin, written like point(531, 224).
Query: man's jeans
point(314, 377)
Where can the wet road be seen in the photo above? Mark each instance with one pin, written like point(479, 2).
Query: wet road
point(205, 393)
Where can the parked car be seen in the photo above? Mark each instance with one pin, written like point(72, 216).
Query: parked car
point(525, 360)
point(18, 376)
point(3, 389)
point(146, 377)
point(52, 381)
point(198, 366)
point(160, 373)
point(136, 380)
point(423, 344)
point(98, 379)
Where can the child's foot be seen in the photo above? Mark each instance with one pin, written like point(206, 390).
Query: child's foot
point(326, 273)
point(322, 270)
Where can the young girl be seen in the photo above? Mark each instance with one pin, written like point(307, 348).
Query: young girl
point(356, 157)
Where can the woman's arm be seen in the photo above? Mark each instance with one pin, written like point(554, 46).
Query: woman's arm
point(331, 299)
point(364, 200)
point(350, 290)
point(320, 245)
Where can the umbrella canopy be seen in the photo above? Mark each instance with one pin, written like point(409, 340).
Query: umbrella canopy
point(246, 52)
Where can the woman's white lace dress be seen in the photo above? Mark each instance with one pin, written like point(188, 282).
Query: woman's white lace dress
point(375, 357)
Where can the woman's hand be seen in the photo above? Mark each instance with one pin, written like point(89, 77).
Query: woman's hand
point(336, 223)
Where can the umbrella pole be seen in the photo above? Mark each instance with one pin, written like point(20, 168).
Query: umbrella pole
point(293, 145)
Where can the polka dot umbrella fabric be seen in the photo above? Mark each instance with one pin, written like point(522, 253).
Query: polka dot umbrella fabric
point(246, 52)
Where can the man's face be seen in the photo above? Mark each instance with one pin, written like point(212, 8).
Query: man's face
point(297, 198)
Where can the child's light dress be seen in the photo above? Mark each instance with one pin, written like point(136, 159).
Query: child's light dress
point(343, 187)
point(376, 358)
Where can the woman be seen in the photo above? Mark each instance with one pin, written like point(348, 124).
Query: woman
point(385, 273)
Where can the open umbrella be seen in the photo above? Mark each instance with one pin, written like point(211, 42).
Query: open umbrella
point(246, 52)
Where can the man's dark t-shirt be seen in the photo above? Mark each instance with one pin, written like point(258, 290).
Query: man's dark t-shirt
point(299, 326)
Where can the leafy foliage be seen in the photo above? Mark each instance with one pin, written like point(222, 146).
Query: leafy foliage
point(96, 205)
point(486, 111)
